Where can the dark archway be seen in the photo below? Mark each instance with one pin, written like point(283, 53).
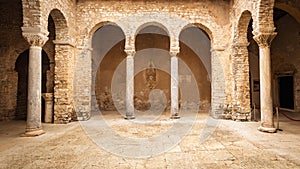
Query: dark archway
point(108, 44)
point(195, 46)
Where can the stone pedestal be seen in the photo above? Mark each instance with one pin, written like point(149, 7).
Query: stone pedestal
point(130, 84)
point(174, 85)
point(48, 97)
point(264, 42)
point(36, 38)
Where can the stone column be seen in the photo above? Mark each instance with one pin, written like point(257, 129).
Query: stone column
point(174, 84)
point(130, 84)
point(266, 106)
point(48, 97)
point(36, 39)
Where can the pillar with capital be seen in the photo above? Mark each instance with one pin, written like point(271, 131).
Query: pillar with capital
point(36, 37)
point(130, 84)
point(174, 83)
point(264, 42)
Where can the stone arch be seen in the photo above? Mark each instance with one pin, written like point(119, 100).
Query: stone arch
point(160, 25)
point(155, 32)
point(94, 30)
point(240, 35)
point(294, 12)
point(106, 58)
point(195, 52)
point(61, 25)
point(204, 28)
point(98, 26)
point(147, 24)
point(208, 34)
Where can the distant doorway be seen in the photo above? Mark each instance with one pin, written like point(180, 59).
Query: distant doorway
point(286, 92)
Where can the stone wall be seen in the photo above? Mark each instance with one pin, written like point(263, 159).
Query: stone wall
point(131, 17)
point(74, 23)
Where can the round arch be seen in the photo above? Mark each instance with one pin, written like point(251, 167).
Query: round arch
point(100, 25)
point(204, 28)
point(242, 27)
point(294, 12)
point(61, 25)
point(157, 24)
point(159, 38)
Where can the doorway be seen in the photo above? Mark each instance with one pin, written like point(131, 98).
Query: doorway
point(286, 92)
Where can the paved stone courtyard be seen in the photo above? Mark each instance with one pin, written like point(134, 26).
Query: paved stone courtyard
point(231, 145)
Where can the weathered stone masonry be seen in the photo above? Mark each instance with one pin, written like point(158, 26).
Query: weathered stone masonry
point(70, 53)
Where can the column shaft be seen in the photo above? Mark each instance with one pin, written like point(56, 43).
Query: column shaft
point(130, 87)
point(174, 87)
point(34, 126)
point(266, 104)
point(266, 90)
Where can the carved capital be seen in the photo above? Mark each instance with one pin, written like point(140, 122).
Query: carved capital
point(174, 51)
point(264, 39)
point(35, 36)
point(130, 52)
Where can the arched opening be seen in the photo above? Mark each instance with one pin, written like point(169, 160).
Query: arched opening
point(285, 63)
point(108, 44)
point(21, 66)
point(61, 55)
point(254, 77)
point(61, 27)
point(152, 65)
point(195, 46)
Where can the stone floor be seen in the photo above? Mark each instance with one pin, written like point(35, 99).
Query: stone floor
point(209, 144)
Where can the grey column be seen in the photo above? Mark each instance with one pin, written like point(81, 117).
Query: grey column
point(36, 41)
point(264, 42)
point(130, 84)
point(174, 85)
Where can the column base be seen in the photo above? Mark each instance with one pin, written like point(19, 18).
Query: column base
point(33, 133)
point(267, 129)
point(129, 117)
point(175, 117)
